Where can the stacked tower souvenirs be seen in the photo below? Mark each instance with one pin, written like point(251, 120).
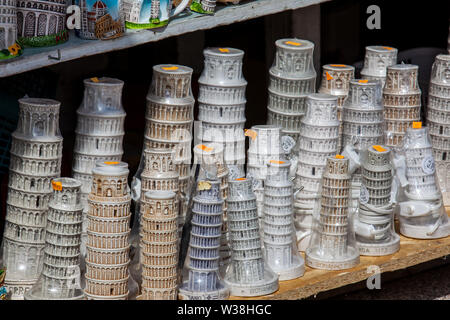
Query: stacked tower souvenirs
point(210, 157)
point(279, 238)
point(248, 274)
point(333, 245)
point(99, 133)
point(318, 140)
point(159, 245)
point(40, 24)
point(374, 227)
point(222, 101)
point(401, 100)
point(101, 19)
point(438, 120)
point(203, 6)
point(362, 126)
point(422, 214)
point(292, 78)
point(107, 247)
point(336, 81)
point(376, 61)
point(60, 277)
point(203, 279)
point(36, 151)
point(9, 48)
point(169, 116)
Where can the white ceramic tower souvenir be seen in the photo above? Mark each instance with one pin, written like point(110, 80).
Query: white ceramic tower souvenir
point(401, 100)
point(292, 78)
point(279, 237)
point(438, 120)
point(159, 245)
point(107, 258)
point(336, 81)
point(9, 48)
point(248, 274)
point(376, 61)
point(36, 151)
point(60, 277)
point(318, 140)
point(222, 101)
point(99, 133)
point(203, 281)
point(422, 213)
point(333, 245)
point(374, 228)
point(363, 126)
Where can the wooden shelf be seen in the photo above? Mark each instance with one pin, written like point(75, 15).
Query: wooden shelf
point(412, 252)
point(75, 48)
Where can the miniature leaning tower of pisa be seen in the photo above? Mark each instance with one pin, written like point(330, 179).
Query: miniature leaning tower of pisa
point(318, 140)
point(222, 101)
point(248, 274)
point(159, 245)
point(99, 132)
point(36, 151)
point(60, 277)
point(107, 246)
point(438, 120)
point(292, 78)
point(376, 61)
point(330, 247)
point(401, 100)
point(8, 30)
point(336, 81)
point(203, 278)
point(278, 223)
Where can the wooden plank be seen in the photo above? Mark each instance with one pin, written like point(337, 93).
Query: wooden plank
point(75, 48)
point(412, 252)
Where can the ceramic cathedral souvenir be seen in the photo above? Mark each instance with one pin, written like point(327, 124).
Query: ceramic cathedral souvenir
point(60, 277)
point(41, 23)
point(333, 245)
point(319, 135)
point(438, 120)
point(248, 274)
point(9, 47)
point(292, 78)
point(36, 151)
point(376, 61)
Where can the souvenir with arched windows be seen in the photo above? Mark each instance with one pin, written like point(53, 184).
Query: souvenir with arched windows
point(376, 61)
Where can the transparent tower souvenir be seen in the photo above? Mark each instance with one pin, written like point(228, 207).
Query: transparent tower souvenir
point(248, 274)
point(333, 245)
point(374, 226)
point(60, 277)
point(422, 213)
point(376, 60)
point(9, 47)
point(279, 238)
point(36, 151)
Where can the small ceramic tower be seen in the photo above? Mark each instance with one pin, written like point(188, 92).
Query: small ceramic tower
point(60, 278)
point(292, 78)
point(336, 81)
point(8, 30)
point(107, 246)
point(376, 61)
point(318, 141)
point(438, 120)
point(36, 151)
point(222, 102)
point(422, 215)
point(374, 228)
point(203, 279)
point(401, 100)
point(99, 132)
point(279, 232)
point(332, 244)
point(159, 245)
point(203, 6)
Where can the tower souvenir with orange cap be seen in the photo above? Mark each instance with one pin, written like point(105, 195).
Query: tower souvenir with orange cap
point(376, 61)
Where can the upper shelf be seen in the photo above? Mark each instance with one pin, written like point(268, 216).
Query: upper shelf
point(75, 48)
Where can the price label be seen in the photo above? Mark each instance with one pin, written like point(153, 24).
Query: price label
point(363, 81)
point(339, 156)
point(329, 77)
point(338, 65)
point(170, 68)
point(251, 133)
point(111, 162)
point(276, 162)
point(379, 148)
point(57, 185)
point(95, 79)
point(205, 148)
point(417, 125)
point(224, 50)
point(293, 43)
point(388, 48)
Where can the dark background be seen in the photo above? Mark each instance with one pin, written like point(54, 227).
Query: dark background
point(404, 25)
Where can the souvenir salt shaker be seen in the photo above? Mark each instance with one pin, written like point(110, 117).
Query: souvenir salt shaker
point(376, 61)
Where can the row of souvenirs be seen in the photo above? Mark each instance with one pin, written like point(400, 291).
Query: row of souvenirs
point(31, 23)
